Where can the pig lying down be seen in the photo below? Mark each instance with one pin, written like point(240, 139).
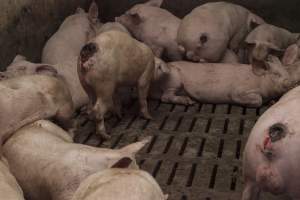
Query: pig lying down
point(28, 98)
point(225, 83)
point(9, 188)
point(111, 60)
point(272, 151)
point(120, 184)
point(63, 48)
point(271, 157)
point(71, 36)
point(154, 26)
point(210, 29)
point(267, 39)
point(48, 165)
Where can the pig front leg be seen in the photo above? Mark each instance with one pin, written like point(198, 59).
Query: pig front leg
point(251, 191)
point(248, 98)
point(170, 96)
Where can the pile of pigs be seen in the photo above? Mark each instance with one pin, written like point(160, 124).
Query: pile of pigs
point(219, 53)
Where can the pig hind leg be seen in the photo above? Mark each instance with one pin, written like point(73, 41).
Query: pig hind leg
point(251, 191)
point(143, 90)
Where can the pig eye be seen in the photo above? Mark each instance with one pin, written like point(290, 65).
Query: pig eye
point(277, 132)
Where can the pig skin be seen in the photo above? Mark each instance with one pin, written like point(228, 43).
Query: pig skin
point(206, 32)
point(154, 26)
point(26, 99)
point(111, 60)
point(120, 184)
point(278, 173)
point(48, 165)
point(225, 83)
point(9, 188)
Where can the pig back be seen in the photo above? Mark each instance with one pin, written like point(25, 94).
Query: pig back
point(9, 188)
point(122, 56)
point(117, 184)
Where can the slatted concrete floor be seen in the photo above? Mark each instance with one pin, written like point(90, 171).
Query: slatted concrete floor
point(195, 152)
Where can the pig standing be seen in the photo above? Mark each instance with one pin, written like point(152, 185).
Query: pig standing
point(9, 188)
point(26, 99)
point(207, 32)
point(271, 157)
point(48, 165)
point(268, 39)
point(154, 26)
point(111, 60)
point(120, 184)
point(63, 48)
point(225, 83)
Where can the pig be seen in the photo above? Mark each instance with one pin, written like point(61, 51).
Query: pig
point(9, 187)
point(28, 98)
point(71, 36)
point(270, 161)
point(154, 26)
point(268, 39)
point(111, 60)
point(206, 33)
point(224, 83)
point(109, 26)
point(63, 48)
point(48, 165)
point(119, 184)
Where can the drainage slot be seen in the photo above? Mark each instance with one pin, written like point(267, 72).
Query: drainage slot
point(168, 145)
point(234, 178)
point(226, 126)
point(172, 175)
point(213, 177)
point(152, 144)
point(114, 145)
point(238, 149)
point(241, 128)
point(178, 124)
point(181, 152)
point(191, 176)
point(221, 147)
point(192, 124)
point(208, 125)
point(163, 123)
point(156, 169)
point(200, 151)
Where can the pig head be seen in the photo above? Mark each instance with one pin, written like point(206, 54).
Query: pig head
point(25, 99)
point(73, 33)
point(154, 26)
point(48, 165)
point(206, 33)
point(267, 40)
point(120, 184)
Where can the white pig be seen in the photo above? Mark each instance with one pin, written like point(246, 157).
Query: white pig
point(29, 98)
point(63, 48)
point(268, 39)
point(154, 26)
point(111, 60)
point(9, 188)
point(209, 29)
point(225, 83)
point(48, 165)
point(272, 151)
point(120, 184)
point(71, 36)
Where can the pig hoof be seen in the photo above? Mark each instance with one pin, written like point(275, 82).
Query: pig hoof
point(147, 116)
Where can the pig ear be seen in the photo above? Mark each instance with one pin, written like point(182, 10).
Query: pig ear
point(80, 10)
point(93, 12)
point(254, 21)
point(291, 55)
point(19, 58)
point(135, 16)
point(46, 69)
point(122, 163)
point(155, 3)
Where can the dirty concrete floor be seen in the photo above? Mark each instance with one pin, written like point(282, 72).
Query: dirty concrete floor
point(195, 152)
